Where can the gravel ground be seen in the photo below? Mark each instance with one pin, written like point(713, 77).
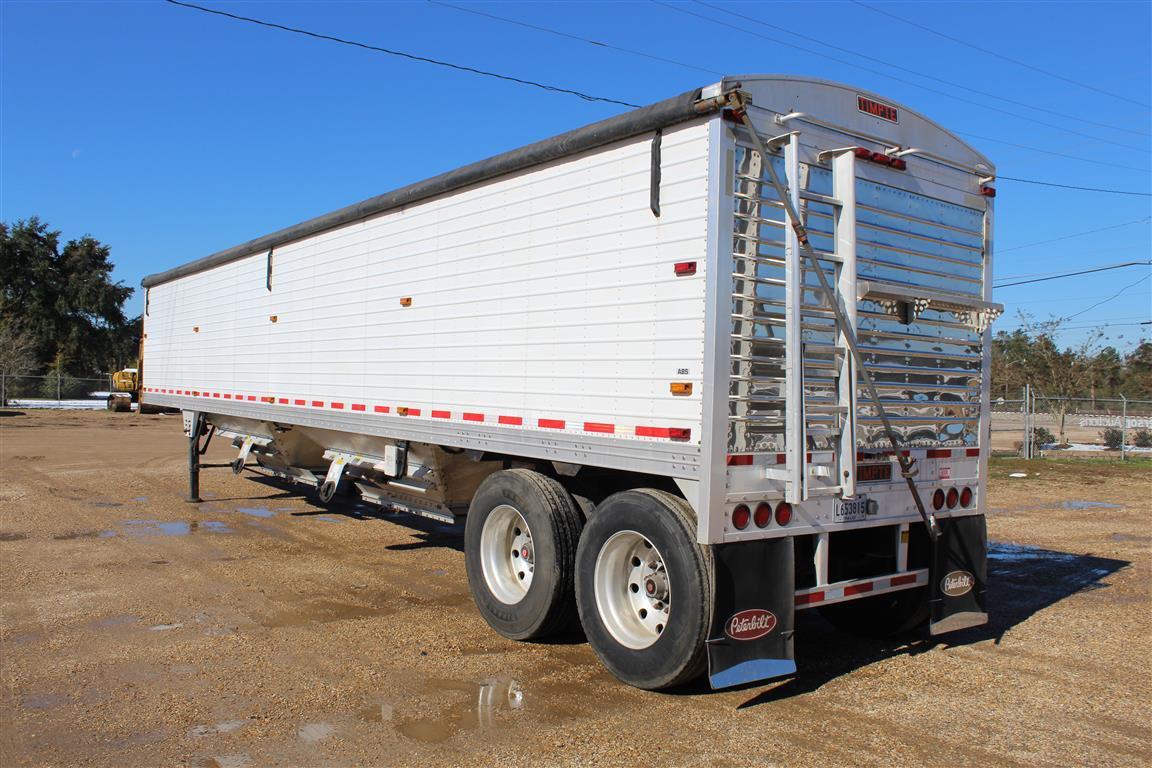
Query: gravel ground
point(260, 628)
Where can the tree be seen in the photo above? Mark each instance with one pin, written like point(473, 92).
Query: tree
point(65, 299)
point(16, 355)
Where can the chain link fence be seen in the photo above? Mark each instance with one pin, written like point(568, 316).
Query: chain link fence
point(1037, 425)
point(55, 391)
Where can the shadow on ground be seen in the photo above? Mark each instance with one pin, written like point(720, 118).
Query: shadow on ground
point(1022, 581)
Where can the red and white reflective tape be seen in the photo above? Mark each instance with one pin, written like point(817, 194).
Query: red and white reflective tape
point(846, 590)
point(679, 434)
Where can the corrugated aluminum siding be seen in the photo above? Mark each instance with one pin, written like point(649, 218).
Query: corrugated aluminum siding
point(547, 295)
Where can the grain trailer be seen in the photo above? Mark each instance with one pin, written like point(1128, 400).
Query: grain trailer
point(684, 372)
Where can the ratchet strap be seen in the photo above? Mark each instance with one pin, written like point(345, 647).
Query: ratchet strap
point(738, 105)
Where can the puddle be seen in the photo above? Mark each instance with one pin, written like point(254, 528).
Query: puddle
point(105, 504)
point(109, 622)
point(314, 732)
point(1089, 505)
point(13, 536)
point(376, 713)
point(210, 730)
point(42, 700)
point(263, 512)
point(1020, 553)
point(223, 761)
point(84, 535)
point(173, 528)
point(327, 519)
point(140, 500)
point(164, 627)
point(1131, 537)
point(475, 706)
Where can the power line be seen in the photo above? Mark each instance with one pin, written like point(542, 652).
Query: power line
point(1079, 158)
point(559, 33)
point(1144, 220)
point(1000, 55)
point(918, 73)
point(1074, 274)
point(1073, 186)
point(855, 65)
point(1110, 298)
point(533, 83)
point(403, 54)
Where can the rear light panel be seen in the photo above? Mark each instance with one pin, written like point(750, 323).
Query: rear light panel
point(881, 158)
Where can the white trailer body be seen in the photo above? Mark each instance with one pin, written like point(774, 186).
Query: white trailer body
point(627, 304)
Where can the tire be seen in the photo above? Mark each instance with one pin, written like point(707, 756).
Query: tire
point(647, 630)
point(528, 595)
point(895, 613)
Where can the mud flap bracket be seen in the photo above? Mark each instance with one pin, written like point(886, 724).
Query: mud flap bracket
point(959, 575)
point(753, 616)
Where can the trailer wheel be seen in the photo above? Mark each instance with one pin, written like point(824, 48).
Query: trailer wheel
point(644, 589)
point(895, 613)
point(520, 539)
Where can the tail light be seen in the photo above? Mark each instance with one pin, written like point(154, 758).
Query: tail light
point(953, 497)
point(740, 517)
point(966, 497)
point(783, 513)
point(938, 500)
point(763, 514)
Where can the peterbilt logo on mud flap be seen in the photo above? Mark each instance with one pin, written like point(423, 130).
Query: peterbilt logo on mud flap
point(751, 624)
point(957, 583)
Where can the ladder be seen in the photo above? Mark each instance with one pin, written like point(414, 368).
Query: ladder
point(840, 296)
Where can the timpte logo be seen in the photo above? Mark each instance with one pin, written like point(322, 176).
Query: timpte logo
point(876, 109)
point(750, 624)
point(957, 583)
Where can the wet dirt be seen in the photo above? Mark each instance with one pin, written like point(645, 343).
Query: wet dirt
point(298, 635)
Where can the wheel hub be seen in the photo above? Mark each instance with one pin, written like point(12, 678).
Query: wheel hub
point(633, 595)
point(506, 554)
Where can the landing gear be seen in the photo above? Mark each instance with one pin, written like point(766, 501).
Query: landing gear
point(644, 589)
point(520, 541)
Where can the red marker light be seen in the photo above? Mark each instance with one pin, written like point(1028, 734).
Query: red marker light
point(763, 515)
point(966, 497)
point(862, 153)
point(683, 268)
point(741, 516)
point(953, 498)
point(988, 191)
point(783, 513)
point(880, 157)
point(899, 164)
point(938, 500)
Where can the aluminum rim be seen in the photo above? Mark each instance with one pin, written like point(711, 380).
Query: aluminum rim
point(507, 555)
point(633, 594)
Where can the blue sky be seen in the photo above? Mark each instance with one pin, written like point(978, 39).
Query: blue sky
point(169, 134)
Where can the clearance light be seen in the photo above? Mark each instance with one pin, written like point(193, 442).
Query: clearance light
point(953, 498)
point(783, 513)
point(862, 153)
point(684, 268)
point(763, 514)
point(899, 164)
point(741, 516)
point(680, 387)
point(938, 500)
point(406, 301)
point(880, 157)
point(988, 191)
point(966, 497)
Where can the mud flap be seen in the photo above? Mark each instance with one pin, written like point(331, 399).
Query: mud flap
point(753, 617)
point(959, 574)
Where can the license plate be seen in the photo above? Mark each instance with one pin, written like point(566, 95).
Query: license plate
point(851, 510)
